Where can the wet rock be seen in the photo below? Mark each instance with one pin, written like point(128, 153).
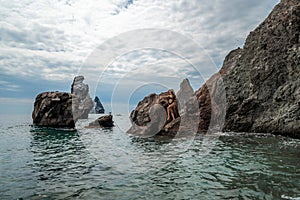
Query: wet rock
point(102, 122)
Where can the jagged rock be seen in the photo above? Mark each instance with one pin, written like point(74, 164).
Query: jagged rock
point(184, 93)
point(261, 80)
point(99, 109)
point(53, 109)
point(82, 102)
point(103, 122)
point(150, 117)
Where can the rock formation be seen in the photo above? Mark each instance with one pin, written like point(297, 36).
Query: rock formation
point(257, 88)
point(150, 117)
point(184, 93)
point(99, 109)
point(61, 109)
point(53, 109)
point(82, 102)
point(261, 80)
point(102, 122)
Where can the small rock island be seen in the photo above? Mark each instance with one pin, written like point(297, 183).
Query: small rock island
point(62, 109)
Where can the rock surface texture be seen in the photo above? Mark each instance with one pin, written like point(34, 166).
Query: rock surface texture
point(149, 118)
point(53, 109)
point(261, 80)
point(82, 102)
point(61, 109)
point(257, 88)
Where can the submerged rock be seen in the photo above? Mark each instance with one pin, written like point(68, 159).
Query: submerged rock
point(82, 102)
point(53, 109)
point(103, 121)
point(99, 109)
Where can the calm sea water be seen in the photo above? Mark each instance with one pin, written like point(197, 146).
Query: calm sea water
point(45, 163)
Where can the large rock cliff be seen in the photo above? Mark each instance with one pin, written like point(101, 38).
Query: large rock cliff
point(261, 80)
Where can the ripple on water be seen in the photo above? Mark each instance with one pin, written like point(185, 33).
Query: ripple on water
point(40, 163)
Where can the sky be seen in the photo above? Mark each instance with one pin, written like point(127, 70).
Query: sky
point(126, 49)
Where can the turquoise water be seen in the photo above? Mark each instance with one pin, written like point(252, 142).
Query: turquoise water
point(44, 163)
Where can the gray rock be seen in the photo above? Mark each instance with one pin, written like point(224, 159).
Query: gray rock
point(82, 102)
point(184, 94)
point(261, 80)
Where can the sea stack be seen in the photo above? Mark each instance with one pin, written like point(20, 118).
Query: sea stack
point(82, 102)
point(99, 109)
point(184, 93)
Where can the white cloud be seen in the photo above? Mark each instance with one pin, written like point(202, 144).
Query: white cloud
point(8, 86)
point(50, 40)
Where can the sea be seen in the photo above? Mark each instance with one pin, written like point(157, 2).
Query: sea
point(102, 163)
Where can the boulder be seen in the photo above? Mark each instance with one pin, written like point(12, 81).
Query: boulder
point(99, 109)
point(150, 116)
point(82, 102)
point(102, 122)
point(53, 109)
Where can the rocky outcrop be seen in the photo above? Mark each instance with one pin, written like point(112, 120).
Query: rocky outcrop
point(102, 122)
point(261, 80)
point(82, 102)
point(61, 109)
point(184, 94)
point(53, 109)
point(257, 88)
point(99, 109)
point(150, 117)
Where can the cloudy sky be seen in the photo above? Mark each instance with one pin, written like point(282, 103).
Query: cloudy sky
point(125, 48)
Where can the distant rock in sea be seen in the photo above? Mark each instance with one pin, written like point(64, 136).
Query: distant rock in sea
point(99, 109)
point(82, 102)
point(53, 109)
point(184, 93)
